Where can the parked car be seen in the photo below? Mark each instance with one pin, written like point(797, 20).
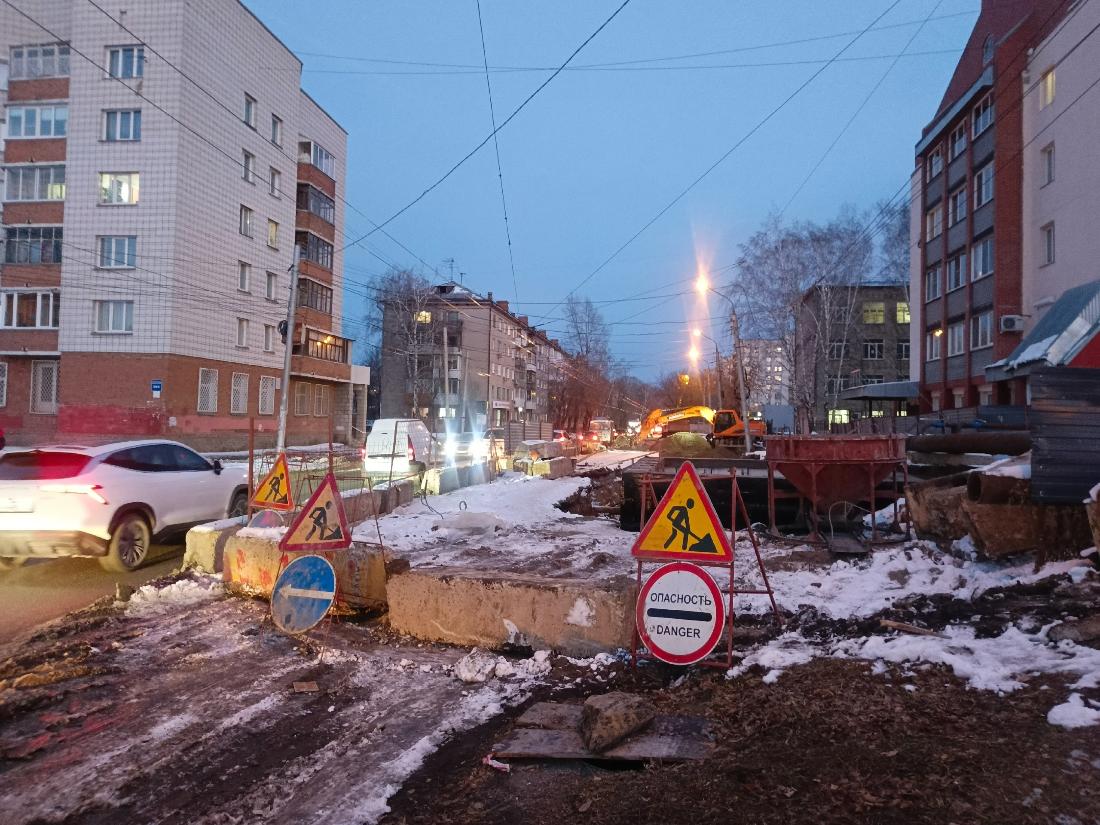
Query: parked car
point(110, 502)
point(591, 443)
point(466, 448)
point(401, 446)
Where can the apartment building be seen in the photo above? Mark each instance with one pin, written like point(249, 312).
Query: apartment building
point(461, 360)
point(157, 183)
point(767, 372)
point(970, 266)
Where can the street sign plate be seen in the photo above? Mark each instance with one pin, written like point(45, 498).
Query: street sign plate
point(680, 613)
point(684, 525)
point(322, 524)
point(303, 593)
point(274, 493)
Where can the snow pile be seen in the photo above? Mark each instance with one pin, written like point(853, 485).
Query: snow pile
point(478, 666)
point(1017, 466)
point(788, 650)
point(581, 613)
point(1073, 713)
point(151, 600)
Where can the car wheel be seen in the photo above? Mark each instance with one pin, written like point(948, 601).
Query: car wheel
point(129, 545)
point(238, 505)
point(11, 562)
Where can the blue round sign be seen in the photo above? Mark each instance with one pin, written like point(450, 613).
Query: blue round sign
point(303, 594)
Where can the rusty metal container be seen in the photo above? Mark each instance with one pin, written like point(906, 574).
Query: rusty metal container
point(828, 469)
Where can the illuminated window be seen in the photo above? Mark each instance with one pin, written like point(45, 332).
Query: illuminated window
point(1046, 89)
point(424, 317)
point(903, 312)
point(874, 312)
point(839, 416)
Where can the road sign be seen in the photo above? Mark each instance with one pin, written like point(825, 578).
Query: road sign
point(680, 613)
point(684, 525)
point(322, 524)
point(274, 493)
point(303, 594)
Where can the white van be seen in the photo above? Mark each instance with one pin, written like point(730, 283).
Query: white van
point(401, 445)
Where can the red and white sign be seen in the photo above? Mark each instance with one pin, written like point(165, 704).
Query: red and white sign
point(680, 613)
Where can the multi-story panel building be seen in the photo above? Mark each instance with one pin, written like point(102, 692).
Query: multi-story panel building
point(967, 202)
point(454, 355)
point(768, 373)
point(156, 188)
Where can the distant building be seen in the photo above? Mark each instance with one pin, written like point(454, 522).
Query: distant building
point(768, 373)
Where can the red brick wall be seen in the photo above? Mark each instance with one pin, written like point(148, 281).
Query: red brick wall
point(308, 173)
point(26, 275)
point(47, 212)
point(309, 221)
point(46, 88)
point(20, 425)
point(317, 273)
point(39, 150)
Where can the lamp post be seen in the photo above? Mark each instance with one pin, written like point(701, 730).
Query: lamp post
point(698, 333)
point(693, 356)
point(702, 286)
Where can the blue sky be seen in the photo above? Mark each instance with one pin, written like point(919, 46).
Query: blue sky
point(600, 151)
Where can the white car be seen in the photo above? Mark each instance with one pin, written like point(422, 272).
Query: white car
point(401, 447)
point(109, 501)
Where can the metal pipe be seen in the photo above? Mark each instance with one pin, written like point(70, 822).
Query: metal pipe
point(292, 307)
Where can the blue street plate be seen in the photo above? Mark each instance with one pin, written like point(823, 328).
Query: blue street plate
point(303, 594)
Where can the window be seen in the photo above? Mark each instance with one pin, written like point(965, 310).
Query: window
point(1047, 248)
point(114, 316)
point(35, 183)
point(323, 345)
point(275, 180)
point(313, 200)
point(873, 349)
point(933, 284)
point(983, 115)
point(51, 60)
point(301, 399)
point(981, 254)
point(208, 391)
point(314, 295)
point(44, 387)
point(932, 340)
point(956, 340)
point(276, 130)
point(3, 383)
point(118, 188)
point(249, 167)
point(933, 222)
point(956, 272)
point(249, 116)
point(1046, 161)
point(272, 283)
point(267, 395)
point(242, 332)
point(32, 245)
point(987, 49)
point(981, 330)
point(956, 206)
point(902, 312)
point(314, 249)
point(122, 125)
point(244, 276)
point(985, 395)
point(841, 416)
point(272, 234)
point(1046, 89)
point(269, 338)
point(37, 121)
point(838, 349)
point(319, 157)
point(956, 145)
point(246, 221)
point(320, 400)
point(126, 62)
point(836, 383)
point(935, 163)
point(29, 310)
point(983, 185)
point(903, 351)
point(238, 394)
point(872, 379)
point(874, 312)
point(117, 251)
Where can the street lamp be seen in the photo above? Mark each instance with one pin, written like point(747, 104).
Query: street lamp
point(698, 333)
point(702, 286)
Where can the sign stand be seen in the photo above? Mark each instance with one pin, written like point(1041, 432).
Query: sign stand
point(649, 556)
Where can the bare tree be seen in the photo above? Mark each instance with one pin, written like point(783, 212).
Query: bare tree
point(586, 332)
point(403, 309)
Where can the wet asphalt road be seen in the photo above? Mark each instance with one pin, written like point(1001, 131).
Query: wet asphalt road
point(46, 589)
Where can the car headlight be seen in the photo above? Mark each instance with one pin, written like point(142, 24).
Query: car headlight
point(479, 448)
point(450, 448)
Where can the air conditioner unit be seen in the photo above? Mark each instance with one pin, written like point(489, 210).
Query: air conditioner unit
point(1012, 323)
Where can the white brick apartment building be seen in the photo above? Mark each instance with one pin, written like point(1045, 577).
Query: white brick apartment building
point(161, 164)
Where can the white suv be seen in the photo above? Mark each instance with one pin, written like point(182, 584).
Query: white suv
point(109, 501)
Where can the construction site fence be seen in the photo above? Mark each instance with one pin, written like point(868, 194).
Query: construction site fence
point(994, 417)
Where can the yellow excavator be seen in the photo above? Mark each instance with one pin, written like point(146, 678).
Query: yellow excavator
point(726, 426)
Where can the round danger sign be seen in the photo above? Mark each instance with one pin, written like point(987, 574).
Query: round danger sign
point(680, 613)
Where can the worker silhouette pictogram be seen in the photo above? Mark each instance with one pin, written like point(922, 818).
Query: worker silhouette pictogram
point(319, 517)
point(274, 490)
point(680, 518)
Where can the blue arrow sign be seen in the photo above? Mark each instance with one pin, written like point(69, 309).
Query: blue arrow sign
point(303, 594)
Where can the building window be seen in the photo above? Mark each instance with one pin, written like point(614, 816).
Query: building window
point(933, 222)
point(314, 295)
point(1046, 89)
point(903, 351)
point(835, 384)
point(933, 284)
point(323, 345)
point(122, 125)
point(935, 163)
point(314, 249)
point(956, 272)
point(35, 183)
point(29, 310)
point(981, 254)
point(114, 316)
point(276, 130)
point(873, 349)
point(37, 121)
point(249, 115)
point(320, 400)
point(32, 244)
point(266, 404)
point(3, 383)
point(902, 312)
point(301, 399)
point(272, 283)
point(246, 221)
point(956, 206)
point(313, 200)
point(983, 185)
point(269, 338)
point(272, 234)
point(118, 188)
point(872, 379)
point(238, 394)
point(208, 391)
point(841, 416)
point(932, 340)
point(1046, 160)
point(314, 153)
point(242, 332)
point(838, 349)
point(249, 167)
point(985, 395)
point(44, 387)
point(1047, 234)
point(987, 50)
point(874, 312)
point(983, 115)
point(275, 180)
point(244, 276)
point(117, 251)
point(50, 60)
point(126, 62)
point(981, 330)
point(957, 143)
point(956, 340)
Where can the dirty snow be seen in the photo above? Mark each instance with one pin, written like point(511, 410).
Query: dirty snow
point(1073, 713)
point(153, 600)
point(1017, 466)
point(581, 613)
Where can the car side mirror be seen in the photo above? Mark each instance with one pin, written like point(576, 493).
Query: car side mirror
point(217, 467)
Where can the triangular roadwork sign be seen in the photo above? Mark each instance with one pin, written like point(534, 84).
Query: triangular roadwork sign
point(684, 526)
point(322, 524)
point(274, 493)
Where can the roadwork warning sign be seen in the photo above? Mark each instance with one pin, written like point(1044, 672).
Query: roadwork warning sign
point(680, 613)
point(322, 524)
point(684, 526)
point(273, 493)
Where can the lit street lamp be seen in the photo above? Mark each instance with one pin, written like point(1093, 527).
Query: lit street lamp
point(698, 333)
point(702, 286)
